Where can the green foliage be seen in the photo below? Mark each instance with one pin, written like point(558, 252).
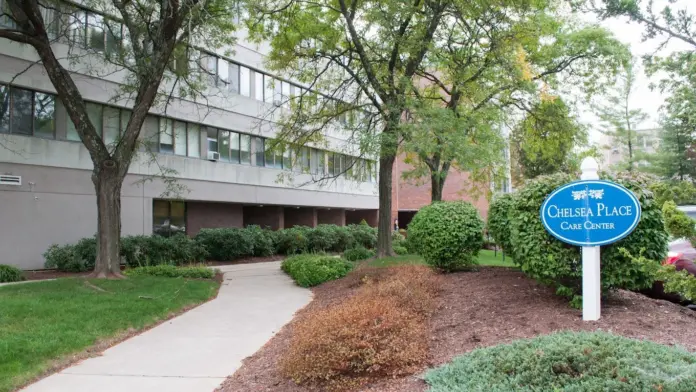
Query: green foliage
point(9, 273)
point(448, 235)
point(679, 282)
point(569, 361)
point(555, 263)
point(398, 239)
point(293, 240)
point(322, 238)
point(677, 223)
point(262, 240)
point(499, 221)
point(311, 270)
point(543, 142)
point(358, 253)
point(363, 235)
point(64, 258)
point(141, 250)
point(170, 271)
point(681, 192)
point(400, 250)
point(226, 244)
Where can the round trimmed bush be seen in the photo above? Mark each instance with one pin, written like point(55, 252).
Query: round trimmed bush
point(447, 234)
point(10, 273)
point(552, 262)
point(569, 361)
point(499, 221)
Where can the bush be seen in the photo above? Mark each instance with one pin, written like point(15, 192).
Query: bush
point(64, 258)
point(10, 273)
point(448, 235)
point(569, 361)
point(398, 239)
point(358, 253)
point(311, 270)
point(364, 235)
point(170, 271)
point(677, 223)
point(400, 250)
point(292, 241)
point(262, 241)
point(673, 281)
point(555, 263)
point(322, 238)
point(141, 250)
point(680, 192)
point(499, 221)
point(226, 244)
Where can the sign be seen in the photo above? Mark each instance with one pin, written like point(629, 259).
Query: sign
point(590, 213)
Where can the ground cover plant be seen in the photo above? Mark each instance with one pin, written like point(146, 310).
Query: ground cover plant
point(45, 322)
point(170, 271)
point(309, 270)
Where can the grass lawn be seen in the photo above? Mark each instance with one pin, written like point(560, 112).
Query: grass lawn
point(46, 321)
point(485, 258)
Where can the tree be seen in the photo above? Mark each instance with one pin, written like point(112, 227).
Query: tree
point(619, 120)
point(491, 59)
point(675, 158)
point(545, 141)
point(358, 59)
point(154, 33)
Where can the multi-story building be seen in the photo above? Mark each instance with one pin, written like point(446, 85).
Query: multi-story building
point(615, 153)
point(217, 152)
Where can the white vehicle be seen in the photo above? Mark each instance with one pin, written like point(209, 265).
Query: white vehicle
point(688, 210)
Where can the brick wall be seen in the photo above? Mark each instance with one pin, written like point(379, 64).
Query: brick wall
point(331, 217)
point(202, 215)
point(267, 216)
point(412, 194)
point(300, 217)
point(357, 216)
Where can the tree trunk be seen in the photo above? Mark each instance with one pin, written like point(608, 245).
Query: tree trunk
point(107, 183)
point(436, 186)
point(630, 151)
point(384, 228)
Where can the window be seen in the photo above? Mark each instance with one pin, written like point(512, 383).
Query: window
point(125, 118)
point(44, 115)
point(304, 160)
point(234, 147)
point(224, 145)
point(268, 156)
point(245, 149)
point(169, 217)
point(212, 139)
point(22, 111)
point(258, 86)
point(166, 144)
point(208, 64)
point(76, 22)
point(4, 109)
point(233, 78)
point(194, 140)
point(5, 19)
point(49, 13)
point(285, 98)
point(332, 171)
point(287, 161)
point(95, 32)
point(94, 112)
point(259, 151)
point(244, 81)
point(278, 91)
point(180, 138)
point(274, 156)
point(317, 162)
point(114, 36)
point(111, 127)
point(268, 88)
point(223, 73)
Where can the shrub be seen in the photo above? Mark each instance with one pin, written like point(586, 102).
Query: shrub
point(555, 263)
point(170, 271)
point(400, 250)
point(677, 282)
point(142, 250)
point(677, 223)
point(680, 192)
point(10, 273)
point(262, 241)
point(292, 241)
point(226, 244)
point(398, 239)
point(86, 251)
point(322, 238)
point(358, 253)
point(499, 221)
point(63, 258)
point(344, 238)
point(311, 270)
point(379, 332)
point(569, 361)
point(364, 235)
point(448, 235)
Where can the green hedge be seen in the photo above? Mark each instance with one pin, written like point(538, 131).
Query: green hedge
point(311, 270)
point(10, 273)
point(552, 262)
point(447, 234)
point(677, 223)
point(499, 221)
point(170, 271)
point(569, 361)
point(358, 253)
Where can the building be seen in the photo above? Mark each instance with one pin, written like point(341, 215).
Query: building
point(216, 151)
point(614, 152)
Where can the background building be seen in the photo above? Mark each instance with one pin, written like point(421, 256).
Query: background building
point(614, 152)
point(217, 151)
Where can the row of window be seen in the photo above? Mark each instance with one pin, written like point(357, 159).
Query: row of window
point(32, 113)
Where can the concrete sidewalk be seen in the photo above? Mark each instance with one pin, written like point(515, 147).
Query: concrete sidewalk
point(199, 349)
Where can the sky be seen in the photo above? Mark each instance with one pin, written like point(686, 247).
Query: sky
point(644, 98)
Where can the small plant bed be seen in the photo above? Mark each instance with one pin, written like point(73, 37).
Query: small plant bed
point(485, 258)
point(47, 325)
point(483, 308)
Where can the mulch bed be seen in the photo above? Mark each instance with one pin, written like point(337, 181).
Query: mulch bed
point(484, 308)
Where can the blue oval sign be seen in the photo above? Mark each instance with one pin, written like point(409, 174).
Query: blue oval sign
point(590, 213)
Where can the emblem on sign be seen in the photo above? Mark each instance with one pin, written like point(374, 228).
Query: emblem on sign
point(590, 213)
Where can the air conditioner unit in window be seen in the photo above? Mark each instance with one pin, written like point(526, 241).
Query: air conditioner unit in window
point(213, 156)
point(6, 179)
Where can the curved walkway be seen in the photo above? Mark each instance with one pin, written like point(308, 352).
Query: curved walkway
point(197, 350)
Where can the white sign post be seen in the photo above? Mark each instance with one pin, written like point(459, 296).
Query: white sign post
point(591, 289)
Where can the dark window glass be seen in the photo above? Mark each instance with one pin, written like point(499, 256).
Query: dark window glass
point(4, 109)
point(245, 149)
point(44, 115)
point(166, 136)
point(22, 111)
point(331, 164)
point(95, 32)
point(113, 36)
point(224, 145)
point(278, 158)
point(234, 147)
point(169, 217)
point(287, 162)
point(212, 139)
point(268, 156)
point(259, 151)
